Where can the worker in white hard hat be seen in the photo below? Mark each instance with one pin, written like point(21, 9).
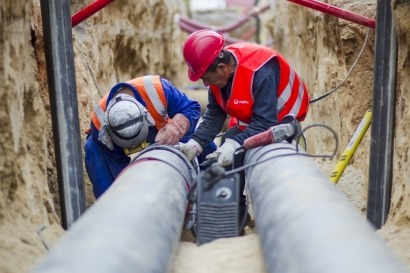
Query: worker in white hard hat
point(131, 116)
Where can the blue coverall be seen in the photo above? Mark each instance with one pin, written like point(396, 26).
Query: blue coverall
point(103, 164)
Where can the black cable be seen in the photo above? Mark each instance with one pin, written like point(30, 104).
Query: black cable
point(191, 194)
point(39, 231)
point(348, 73)
point(291, 154)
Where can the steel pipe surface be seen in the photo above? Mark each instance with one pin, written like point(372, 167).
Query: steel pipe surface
point(305, 224)
point(134, 226)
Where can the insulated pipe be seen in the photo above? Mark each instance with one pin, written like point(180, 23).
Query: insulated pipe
point(338, 12)
point(58, 47)
point(89, 10)
point(304, 223)
point(135, 225)
point(384, 101)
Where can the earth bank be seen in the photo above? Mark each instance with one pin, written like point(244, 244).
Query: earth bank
point(128, 39)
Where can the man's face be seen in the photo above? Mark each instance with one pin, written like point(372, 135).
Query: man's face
point(219, 77)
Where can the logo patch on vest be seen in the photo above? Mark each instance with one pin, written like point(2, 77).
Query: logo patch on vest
point(240, 101)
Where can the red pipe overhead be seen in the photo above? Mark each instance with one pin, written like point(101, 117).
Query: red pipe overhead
point(227, 28)
point(88, 11)
point(338, 12)
point(189, 28)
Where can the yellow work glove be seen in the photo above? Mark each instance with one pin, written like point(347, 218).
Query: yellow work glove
point(224, 154)
point(173, 131)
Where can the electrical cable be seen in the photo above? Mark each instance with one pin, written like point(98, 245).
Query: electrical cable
point(192, 193)
point(296, 149)
point(348, 73)
point(89, 69)
point(291, 154)
point(39, 233)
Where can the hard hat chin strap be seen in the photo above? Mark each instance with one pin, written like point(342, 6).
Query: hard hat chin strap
point(141, 147)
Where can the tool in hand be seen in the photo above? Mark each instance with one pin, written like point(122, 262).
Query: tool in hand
point(275, 134)
point(207, 163)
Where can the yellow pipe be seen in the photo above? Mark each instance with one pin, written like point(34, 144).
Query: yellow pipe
point(351, 147)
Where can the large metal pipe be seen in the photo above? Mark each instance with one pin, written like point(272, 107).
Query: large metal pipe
point(135, 225)
point(338, 12)
point(305, 224)
point(58, 46)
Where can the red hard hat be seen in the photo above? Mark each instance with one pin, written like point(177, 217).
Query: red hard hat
point(200, 50)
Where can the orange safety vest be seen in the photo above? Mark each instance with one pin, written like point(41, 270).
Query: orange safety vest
point(149, 89)
point(292, 94)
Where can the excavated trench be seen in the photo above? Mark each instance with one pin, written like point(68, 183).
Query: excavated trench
point(299, 214)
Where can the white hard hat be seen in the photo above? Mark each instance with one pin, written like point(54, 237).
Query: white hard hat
point(127, 121)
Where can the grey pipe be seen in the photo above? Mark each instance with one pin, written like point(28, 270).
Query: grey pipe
point(305, 224)
point(135, 225)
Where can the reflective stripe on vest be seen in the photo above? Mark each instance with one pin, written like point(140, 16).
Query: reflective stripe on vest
point(151, 91)
point(293, 98)
point(292, 93)
point(97, 115)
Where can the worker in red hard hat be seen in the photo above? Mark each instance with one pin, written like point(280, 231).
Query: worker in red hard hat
point(249, 82)
point(131, 116)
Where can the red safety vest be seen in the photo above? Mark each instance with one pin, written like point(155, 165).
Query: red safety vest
point(152, 93)
point(292, 94)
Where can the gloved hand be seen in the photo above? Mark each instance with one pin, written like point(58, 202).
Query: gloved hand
point(225, 153)
point(296, 127)
point(191, 149)
point(173, 131)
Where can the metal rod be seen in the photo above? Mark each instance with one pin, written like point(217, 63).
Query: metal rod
point(64, 108)
point(382, 133)
point(89, 10)
point(338, 12)
point(305, 223)
point(135, 226)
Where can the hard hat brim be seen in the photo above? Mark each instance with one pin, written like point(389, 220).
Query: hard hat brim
point(194, 76)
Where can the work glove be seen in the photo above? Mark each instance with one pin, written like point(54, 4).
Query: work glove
point(173, 131)
point(191, 149)
point(224, 154)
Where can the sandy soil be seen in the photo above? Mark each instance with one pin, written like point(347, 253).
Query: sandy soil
point(133, 38)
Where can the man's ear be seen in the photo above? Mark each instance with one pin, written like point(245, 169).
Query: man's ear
point(222, 67)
